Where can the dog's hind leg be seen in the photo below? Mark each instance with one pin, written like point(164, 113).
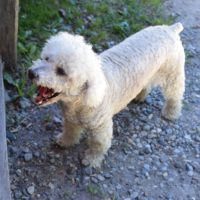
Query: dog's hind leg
point(173, 90)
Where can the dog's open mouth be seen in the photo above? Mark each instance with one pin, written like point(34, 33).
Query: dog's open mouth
point(45, 94)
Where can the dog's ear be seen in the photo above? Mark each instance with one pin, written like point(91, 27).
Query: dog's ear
point(95, 92)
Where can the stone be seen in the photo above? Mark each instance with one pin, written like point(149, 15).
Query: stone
point(147, 149)
point(28, 156)
point(187, 137)
point(24, 103)
point(36, 154)
point(134, 195)
point(165, 174)
point(188, 167)
point(12, 150)
point(18, 172)
point(31, 189)
point(18, 194)
point(108, 176)
point(25, 150)
point(7, 97)
point(52, 160)
point(51, 185)
point(94, 180)
point(131, 168)
point(10, 136)
point(105, 186)
point(161, 141)
point(62, 13)
point(57, 120)
point(190, 173)
point(147, 127)
point(88, 170)
point(49, 127)
point(169, 131)
point(100, 177)
point(118, 187)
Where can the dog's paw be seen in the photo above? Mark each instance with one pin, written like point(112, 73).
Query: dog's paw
point(170, 115)
point(62, 142)
point(93, 160)
point(171, 112)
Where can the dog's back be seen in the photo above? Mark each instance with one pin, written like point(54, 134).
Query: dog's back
point(132, 64)
point(147, 43)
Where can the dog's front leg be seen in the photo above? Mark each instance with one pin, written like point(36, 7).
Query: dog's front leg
point(99, 143)
point(70, 136)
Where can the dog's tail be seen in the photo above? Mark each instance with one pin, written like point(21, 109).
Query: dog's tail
point(177, 28)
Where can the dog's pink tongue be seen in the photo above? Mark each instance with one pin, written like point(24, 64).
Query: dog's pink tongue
point(43, 94)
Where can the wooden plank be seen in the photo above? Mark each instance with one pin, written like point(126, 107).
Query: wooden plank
point(8, 32)
point(4, 172)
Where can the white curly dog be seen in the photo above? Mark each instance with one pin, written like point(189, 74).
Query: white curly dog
point(92, 88)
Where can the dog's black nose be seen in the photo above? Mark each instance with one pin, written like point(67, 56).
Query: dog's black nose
point(32, 75)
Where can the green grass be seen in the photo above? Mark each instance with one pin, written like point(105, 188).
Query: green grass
point(101, 22)
point(66, 195)
point(94, 190)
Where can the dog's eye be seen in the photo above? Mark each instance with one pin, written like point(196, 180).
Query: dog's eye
point(47, 58)
point(60, 71)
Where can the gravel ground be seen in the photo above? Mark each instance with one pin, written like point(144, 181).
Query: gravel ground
point(150, 158)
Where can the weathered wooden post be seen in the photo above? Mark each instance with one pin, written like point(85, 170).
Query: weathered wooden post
point(8, 32)
point(4, 172)
point(8, 51)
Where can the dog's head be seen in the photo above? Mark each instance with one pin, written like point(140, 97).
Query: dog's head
point(68, 70)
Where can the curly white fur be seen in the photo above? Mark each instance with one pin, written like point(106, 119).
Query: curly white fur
point(95, 87)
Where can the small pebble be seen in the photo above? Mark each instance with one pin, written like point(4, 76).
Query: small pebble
point(24, 103)
point(18, 172)
point(190, 173)
point(36, 154)
point(118, 187)
point(147, 128)
point(51, 185)
point(107, 175)
point(31, 189)
point(147, 149)
point(25, 150)
point(100, 177)
point(17, 194)
point(189, 167)
point(165, 174)
point(88, 170)
point(28, 156)
point(134, 195)
point(94, 180)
